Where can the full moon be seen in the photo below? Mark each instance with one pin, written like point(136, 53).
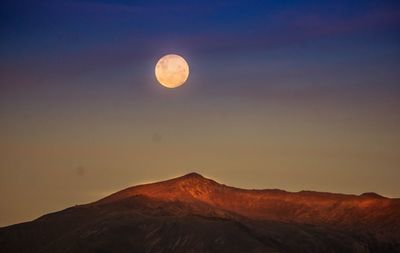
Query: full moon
point(172, 70)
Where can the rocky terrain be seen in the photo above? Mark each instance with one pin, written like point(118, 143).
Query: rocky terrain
point(195, 214)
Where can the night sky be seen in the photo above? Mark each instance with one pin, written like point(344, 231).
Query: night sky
point(296, 95)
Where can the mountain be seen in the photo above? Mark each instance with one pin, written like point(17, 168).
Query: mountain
point(195, 214)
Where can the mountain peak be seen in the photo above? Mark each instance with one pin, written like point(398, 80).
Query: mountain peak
point(192, 185)
point(193, 175)
point(192, 179)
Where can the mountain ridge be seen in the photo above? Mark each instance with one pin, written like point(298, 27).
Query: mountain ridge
point(195, 177)
point(192, 213)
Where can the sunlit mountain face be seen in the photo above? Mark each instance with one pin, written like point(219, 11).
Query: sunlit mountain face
point(196, 214)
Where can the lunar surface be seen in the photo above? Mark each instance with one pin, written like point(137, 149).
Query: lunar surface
point(172, 71)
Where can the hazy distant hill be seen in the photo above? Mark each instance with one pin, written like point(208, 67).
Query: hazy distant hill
point(196, 214)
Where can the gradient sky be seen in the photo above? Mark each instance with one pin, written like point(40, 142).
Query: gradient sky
point(296, 95)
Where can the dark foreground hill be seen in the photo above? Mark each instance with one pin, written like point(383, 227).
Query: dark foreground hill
point(195, 214)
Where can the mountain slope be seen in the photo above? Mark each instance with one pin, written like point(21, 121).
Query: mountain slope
point(316, 208)
point(195, 214)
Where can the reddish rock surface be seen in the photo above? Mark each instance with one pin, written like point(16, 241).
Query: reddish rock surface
point(196, 214)
point(366, 211)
